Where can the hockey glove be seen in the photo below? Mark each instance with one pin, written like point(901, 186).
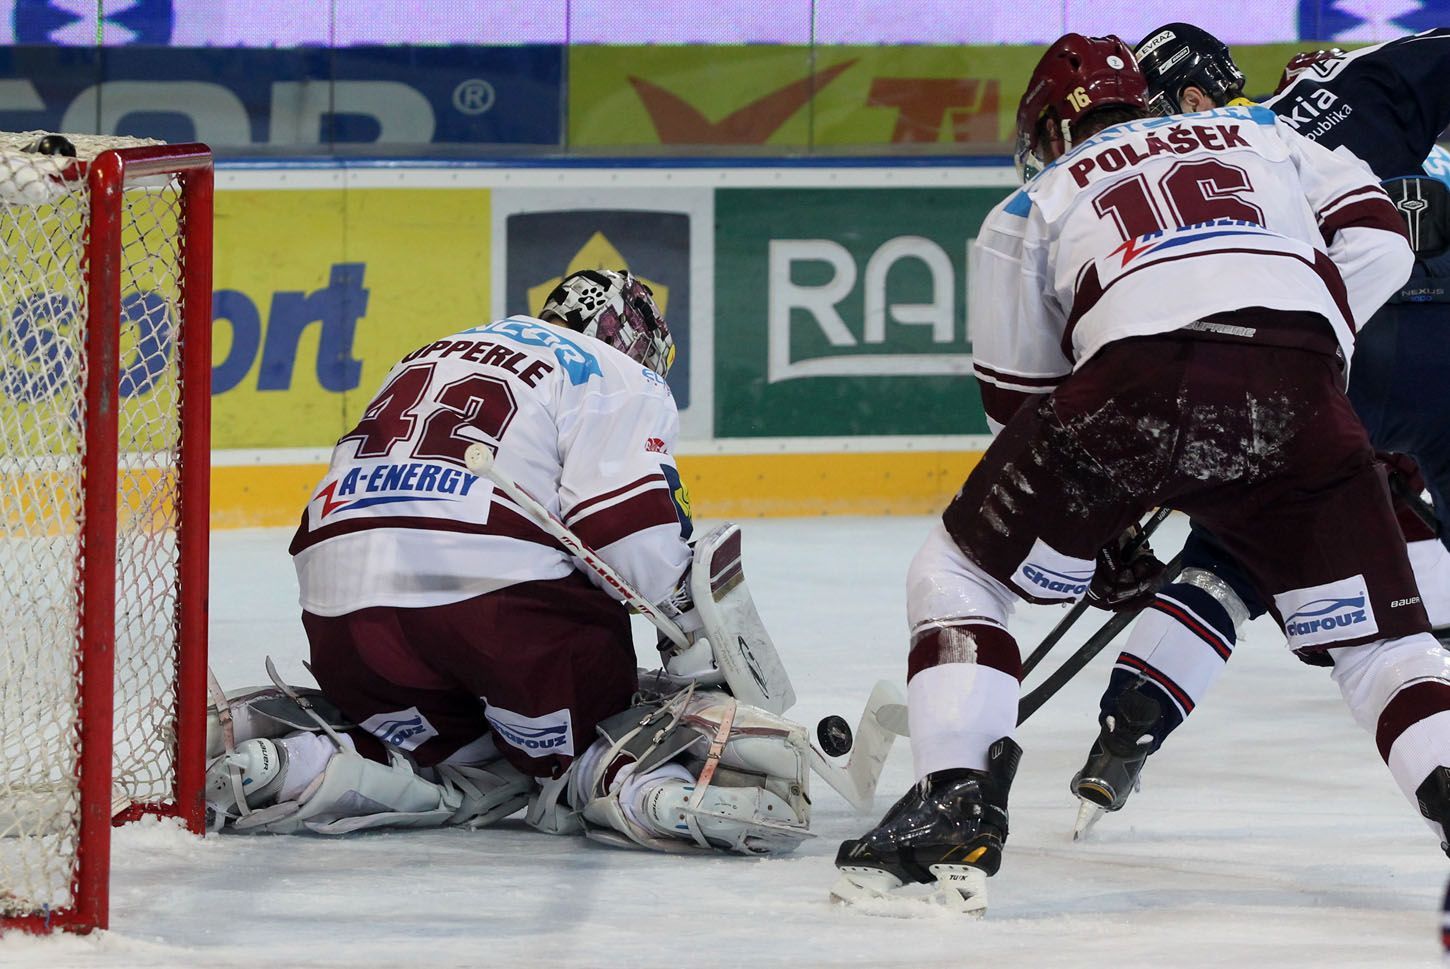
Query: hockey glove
point(697, 663)
point(1128, 574)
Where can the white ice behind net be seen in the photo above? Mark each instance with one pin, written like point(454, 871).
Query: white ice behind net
point(43, 321)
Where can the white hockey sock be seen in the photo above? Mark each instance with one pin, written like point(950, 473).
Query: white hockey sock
point(957, 711)
point(1180, 645)
point(1399, 691)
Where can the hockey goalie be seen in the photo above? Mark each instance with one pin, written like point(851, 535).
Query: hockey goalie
point(469, 666)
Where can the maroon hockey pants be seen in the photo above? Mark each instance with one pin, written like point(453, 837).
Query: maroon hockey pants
point(537, 664)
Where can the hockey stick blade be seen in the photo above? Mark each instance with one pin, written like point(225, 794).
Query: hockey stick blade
point(857, 780)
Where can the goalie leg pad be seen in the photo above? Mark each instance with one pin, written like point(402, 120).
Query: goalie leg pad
point(491, 792)
point(701, 770)
point(354, 794)
point(265, 712)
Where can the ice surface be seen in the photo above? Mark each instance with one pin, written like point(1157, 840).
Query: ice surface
point(1268, 832)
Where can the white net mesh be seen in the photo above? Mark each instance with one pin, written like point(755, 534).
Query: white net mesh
point(44, 316)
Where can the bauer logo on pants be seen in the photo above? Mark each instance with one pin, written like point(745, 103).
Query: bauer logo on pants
point(406, 729)
point(545, 736)
point(1330, 613)
point(1046, 575)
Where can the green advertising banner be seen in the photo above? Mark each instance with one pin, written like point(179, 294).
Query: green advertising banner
point(843, 311)
point(955, 98)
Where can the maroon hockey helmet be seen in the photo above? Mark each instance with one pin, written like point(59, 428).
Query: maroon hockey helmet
point(1077, 75)
point(616, 307)
point(1300, 63)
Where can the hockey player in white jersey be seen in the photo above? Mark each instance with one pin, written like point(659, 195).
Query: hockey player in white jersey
point(1141, 381)
point(475, 667)
point(1384, 105)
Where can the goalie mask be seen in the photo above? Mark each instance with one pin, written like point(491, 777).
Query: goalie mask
point(617, 308)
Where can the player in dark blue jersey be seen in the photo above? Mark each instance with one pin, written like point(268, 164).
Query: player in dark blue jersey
point(1387, 105)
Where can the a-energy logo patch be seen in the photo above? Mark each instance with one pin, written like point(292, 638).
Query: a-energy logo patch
point(387, 483)
point(545, 736)
point(1048, 575)
point(1330, 613)
point(406, 729)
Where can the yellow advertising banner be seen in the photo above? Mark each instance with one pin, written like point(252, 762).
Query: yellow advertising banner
point(319, 292)
point(954, 98)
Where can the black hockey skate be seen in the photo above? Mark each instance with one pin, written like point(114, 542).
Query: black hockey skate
point(1433, 798)
point(947, 831)
point(1116, 759)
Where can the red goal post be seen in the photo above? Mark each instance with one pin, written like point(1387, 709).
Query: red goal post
point(105, 413)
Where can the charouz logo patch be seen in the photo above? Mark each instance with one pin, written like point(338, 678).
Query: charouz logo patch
point(545, 736)
point(405, 729)
point(1330, 613)
point(1046, 575)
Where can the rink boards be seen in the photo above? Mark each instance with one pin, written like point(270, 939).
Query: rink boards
point(820, 311)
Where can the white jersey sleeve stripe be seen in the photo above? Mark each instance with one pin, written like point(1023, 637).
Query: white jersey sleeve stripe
point(640, 512)
point(590, 505)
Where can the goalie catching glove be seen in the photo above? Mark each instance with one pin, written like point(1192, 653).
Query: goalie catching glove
point(1128, 574)
point(729, 645)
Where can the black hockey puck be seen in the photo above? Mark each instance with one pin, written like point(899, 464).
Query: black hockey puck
point(55, 145)
point(834, 733)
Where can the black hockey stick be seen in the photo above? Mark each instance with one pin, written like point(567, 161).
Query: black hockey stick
point(1422, 508)
point(1060, 630)
point(1095, 644)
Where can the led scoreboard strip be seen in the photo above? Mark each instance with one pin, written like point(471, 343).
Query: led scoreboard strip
point(346, 23)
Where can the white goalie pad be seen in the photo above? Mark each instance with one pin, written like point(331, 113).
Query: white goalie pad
point(263, 712)
point(699, 771)
point(743, 650)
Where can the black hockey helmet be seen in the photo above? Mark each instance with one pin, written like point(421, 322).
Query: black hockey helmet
point(1177, 56)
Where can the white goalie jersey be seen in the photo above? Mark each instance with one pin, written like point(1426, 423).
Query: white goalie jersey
point(1152, 225)
point(398, 520)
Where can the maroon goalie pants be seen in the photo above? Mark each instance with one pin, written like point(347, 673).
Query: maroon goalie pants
point(536, 666)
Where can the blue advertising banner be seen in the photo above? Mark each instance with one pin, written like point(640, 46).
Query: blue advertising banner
point(300, 97)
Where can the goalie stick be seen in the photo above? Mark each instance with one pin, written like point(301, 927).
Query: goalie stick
point(480, 461)
point(741, 648)
point(856, 781)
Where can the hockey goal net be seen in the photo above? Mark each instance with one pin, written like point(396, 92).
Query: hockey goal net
point(105, 317)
